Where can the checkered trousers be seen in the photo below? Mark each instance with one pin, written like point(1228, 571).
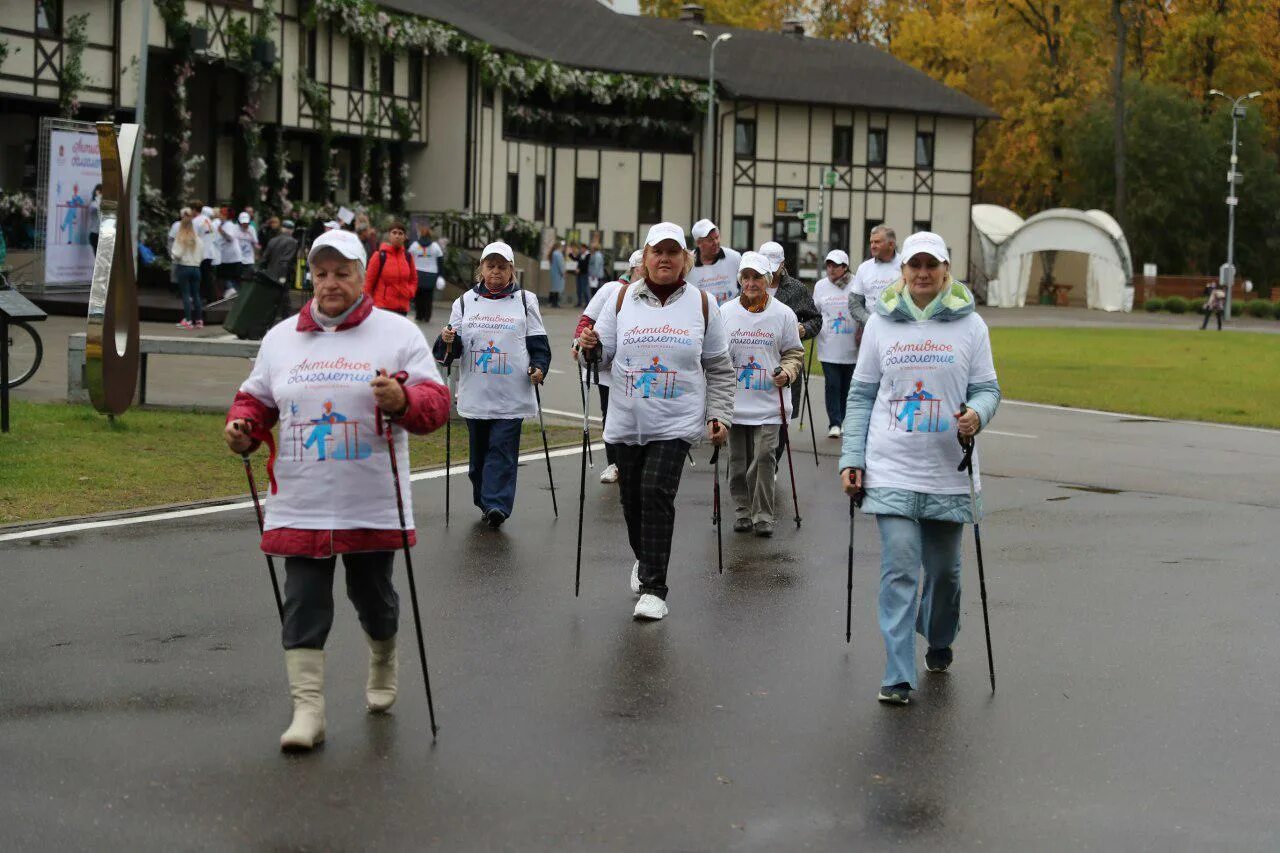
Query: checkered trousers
point(648, 479)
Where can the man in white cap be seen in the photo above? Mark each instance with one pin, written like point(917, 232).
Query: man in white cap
point(248, 237)
point(838, 340)
point(203, 224)
point(715, 268)
point(877, 272)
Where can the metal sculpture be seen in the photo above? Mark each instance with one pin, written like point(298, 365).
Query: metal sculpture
point(111, 343)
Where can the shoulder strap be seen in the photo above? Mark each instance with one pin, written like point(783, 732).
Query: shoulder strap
point(382, 262)
point(704, 307)
point(622, 295)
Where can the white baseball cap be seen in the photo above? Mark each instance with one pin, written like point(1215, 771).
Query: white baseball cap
point(926, 242)
point(243, 218)
point(332, 225)
point(702, 228)
point(838, 256)
point(774, 252)
point(755, 261)
point(345, 243)
point(636, 259)
point(665, 231)
point(206, 212)
point(501, 249)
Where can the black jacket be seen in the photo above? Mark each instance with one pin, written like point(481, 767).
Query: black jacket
point(793, 294)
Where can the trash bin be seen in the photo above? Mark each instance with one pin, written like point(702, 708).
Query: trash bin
point(256, 308)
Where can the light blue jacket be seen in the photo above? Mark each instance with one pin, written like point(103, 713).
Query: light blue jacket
point(557, 271)
point(955, 301)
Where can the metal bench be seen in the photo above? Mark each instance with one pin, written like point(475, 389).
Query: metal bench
point(148, 345)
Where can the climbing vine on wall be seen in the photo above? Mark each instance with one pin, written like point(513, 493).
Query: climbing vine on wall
point(72, 78)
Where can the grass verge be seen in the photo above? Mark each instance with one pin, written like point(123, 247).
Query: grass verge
point(62, 460)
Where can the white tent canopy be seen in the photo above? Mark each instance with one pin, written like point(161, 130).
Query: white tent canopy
point(1008, 245)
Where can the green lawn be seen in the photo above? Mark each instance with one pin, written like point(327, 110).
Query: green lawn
point(61, 460)
point(1170, 373)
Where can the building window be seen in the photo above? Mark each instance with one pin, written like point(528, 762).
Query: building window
point(877, 146)
point(48, 17)
point(387, 73)
point(842, 145)
point(355, 65)
point(744, 138)
point(921, 225)
point(540, 198)
point(415, 76)
point(586, 200)
point(309, 54)
point(513, 193)
point(924, 149)
point(650, 201)
point(866, 234)
point(486, 96)
point(839, 236)
point(740, 235)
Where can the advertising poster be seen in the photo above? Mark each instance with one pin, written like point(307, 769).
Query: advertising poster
point(75, 169)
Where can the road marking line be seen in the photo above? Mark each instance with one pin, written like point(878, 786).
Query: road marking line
point(577, 416)
point(1009, 434)
point(1151, 418)
point(76, 527)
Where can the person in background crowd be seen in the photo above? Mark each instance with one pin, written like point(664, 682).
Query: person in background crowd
point(555, 258)
point(838, 340)
point(715, 268)
point(392, 281)
point(95, 216)
point(791, 292)
point(279, 260)
point(186, 252)
point(207, 230)
point(1215, 302)
point(249, 247)
point(427, 255)
point(269, 230)
point(877, 272)
point(595, 269)
point(583, 257)
point(228, 263)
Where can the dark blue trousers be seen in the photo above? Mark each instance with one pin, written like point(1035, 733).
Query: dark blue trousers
point(836, 378)
point(495, 449)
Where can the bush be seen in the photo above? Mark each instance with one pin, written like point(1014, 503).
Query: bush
point(1237, 308)
point(1176, 305)
point(1260, 308)
point(1196, 306)
point(1154, 304)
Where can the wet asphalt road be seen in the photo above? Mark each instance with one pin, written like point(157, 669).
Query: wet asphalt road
point(1131, 568)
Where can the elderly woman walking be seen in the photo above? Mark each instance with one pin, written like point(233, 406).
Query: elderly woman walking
point(673, 384)
point(764, 344)
point(327, 377)
point(495, 331)
point(925, 377)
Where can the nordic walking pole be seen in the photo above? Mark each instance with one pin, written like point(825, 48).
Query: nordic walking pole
point(408, 565)
point(257, 509)
point(586, 443)
point(806, 404)
point(448, 428)
point(966, 464)
point(584, 385)
point(786, 439)
point(715, 505)
point(546, 451)
point(855, 502)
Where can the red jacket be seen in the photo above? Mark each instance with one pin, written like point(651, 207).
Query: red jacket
point(428, 409)
point(391, 287)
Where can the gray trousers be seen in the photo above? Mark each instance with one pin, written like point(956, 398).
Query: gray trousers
point(308, 597)
point(751, 468)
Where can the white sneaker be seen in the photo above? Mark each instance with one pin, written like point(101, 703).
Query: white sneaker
point(834, 432)
point(609, 474)
point(635, 578)
point(650, 607)
point(229, 293)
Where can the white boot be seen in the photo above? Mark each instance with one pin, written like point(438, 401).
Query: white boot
point(306, 685)
point(380, 692)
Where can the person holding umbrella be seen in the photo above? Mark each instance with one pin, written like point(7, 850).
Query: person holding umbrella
point(925, 351)
point(764, 344)
point(665, 346)
point(327, 373)
point(495, 333)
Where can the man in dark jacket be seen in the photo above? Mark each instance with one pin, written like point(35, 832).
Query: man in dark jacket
point(792, 293)
point(279, 259)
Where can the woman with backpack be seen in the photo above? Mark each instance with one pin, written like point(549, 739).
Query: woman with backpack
point(391, 280)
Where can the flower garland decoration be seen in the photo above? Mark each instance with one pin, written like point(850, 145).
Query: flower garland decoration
point(385, 185)
point(71, 79)
point(316, 96)
point(531, 116)
point(366, 160)
point(243, 42)
point(366, 21)
point(187, 163)
point(280, 174)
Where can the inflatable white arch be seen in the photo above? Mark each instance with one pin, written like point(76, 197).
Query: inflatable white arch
point(1008, 245)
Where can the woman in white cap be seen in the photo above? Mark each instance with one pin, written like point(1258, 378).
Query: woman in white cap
point(665, 345)
point(495, 333)
point(924, 378)
point(323, 377)
point(791, 292)
point(587, 320)
point(715, 267)
point(838, 339)
point(764, 344)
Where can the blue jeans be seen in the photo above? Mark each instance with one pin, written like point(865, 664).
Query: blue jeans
point(189, 287)
point(584, 290)
point(495, 449)
point(836, 379)
point(905, 546)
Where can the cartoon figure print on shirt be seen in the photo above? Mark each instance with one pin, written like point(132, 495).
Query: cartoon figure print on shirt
point(652, 380)
point(840, 325)
point(327, 445)
point(917, 411)
point(335, 432)
point(751, 374)
point(490, 360)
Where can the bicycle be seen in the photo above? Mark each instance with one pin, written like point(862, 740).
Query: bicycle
point(26, 349)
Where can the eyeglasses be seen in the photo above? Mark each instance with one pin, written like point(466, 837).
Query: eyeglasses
point(931, 264)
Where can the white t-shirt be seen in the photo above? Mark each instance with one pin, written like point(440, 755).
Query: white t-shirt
point(493, 375)
point(874, 276)
point(204, 230)
point(837, 340)
point(756, 344)
point(720, 279)
point(332, 466)
point(248, 238)
point(608, 293)
point(229, 232)
point(426, 258)
point(659, 388)
point(924, 371)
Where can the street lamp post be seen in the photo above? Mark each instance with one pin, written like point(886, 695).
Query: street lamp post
point(708, 135)
point(1237, 113)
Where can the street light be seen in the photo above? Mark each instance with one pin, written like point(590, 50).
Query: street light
point(1237, 113)
point(708, 136)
